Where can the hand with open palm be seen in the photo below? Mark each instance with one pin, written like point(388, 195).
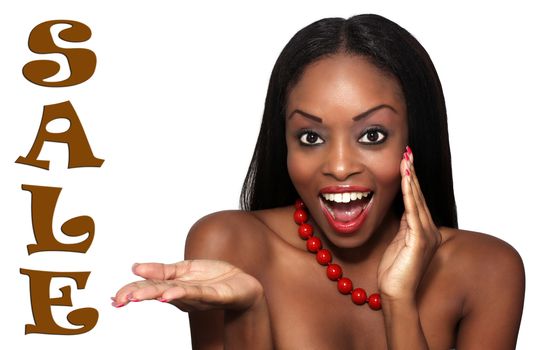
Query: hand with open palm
point(192, 285)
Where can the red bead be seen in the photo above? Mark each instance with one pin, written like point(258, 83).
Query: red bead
point(324, 256)
point(300, 216)
point(333, 272)
point(374, 301)
point(305, 231)
point(299, 204)
point(345, 285)
point(314, 244)
point(359, 296)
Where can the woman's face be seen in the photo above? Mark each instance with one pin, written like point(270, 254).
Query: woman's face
point(346, 131)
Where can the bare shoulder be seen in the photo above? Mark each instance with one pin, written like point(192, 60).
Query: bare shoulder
point(488, 276)
point(222, 235)
point(474, 249)
point(485, 266)
point(239, 237)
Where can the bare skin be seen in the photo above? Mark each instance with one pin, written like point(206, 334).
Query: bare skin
point(440, 287)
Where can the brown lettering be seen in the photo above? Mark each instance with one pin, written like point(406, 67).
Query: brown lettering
point(41, 304)
point(80, 153)
point(43, 205)
point(82, 62)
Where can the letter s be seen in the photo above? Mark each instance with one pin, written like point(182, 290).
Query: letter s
point(82, 62)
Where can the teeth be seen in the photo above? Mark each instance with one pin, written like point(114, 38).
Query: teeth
point(347, 196)
point(344, 197)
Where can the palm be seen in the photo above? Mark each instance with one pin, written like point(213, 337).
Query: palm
point(194, 285)
point(396, 265)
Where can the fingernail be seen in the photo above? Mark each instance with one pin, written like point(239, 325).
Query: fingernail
point(409, 152)
point(407, 172)
point(407, 160)
point(163, 300)
point(131, 298)
point(117, 305)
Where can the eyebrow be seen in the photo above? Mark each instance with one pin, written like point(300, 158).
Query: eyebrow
point(369, 112)
point(358, 117)
point(306, 115)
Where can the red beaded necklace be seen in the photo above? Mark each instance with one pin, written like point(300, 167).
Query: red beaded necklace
point(333, 271)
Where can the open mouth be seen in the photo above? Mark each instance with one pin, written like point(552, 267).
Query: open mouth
point(346, 211)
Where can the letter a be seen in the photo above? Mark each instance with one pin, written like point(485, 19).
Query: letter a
point(80, 154)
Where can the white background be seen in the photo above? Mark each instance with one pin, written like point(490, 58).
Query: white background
point(174, 108)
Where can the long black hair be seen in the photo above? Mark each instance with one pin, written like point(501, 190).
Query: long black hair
point(392, 49)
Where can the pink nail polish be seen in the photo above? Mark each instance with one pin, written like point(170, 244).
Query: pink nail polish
point(405, 155)
point(117, 305)
point(408, 150)
point(163, 300)
point(407, 172)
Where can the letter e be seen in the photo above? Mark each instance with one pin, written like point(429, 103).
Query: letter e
point(41, 304)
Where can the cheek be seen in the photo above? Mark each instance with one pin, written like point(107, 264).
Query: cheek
point(299, 169)
point(386, 170)
point(385, 166)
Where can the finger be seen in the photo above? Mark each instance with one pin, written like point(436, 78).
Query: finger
point(415, 177)
point(403, 225)
point(411, 210)
point(417, 189)
point(158, 271)
point(423, 211)
point(187, 297)
point(148, 290)
point(430, 230)
point(193, 298)
point(195, 295)
point(425, 216)
point(138, 291)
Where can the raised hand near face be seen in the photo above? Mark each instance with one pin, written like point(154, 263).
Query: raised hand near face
point(192, 285)
point(408, 255)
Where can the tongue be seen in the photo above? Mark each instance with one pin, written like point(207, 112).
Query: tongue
point(345, 212)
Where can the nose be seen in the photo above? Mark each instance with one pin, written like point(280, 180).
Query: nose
point(342, 160)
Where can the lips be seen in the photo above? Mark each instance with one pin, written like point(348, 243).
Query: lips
point(346, 207)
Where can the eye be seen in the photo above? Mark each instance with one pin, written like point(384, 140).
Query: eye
point(310, 138)
point(373, 136)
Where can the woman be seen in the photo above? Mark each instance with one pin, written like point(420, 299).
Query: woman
point(352, 106)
